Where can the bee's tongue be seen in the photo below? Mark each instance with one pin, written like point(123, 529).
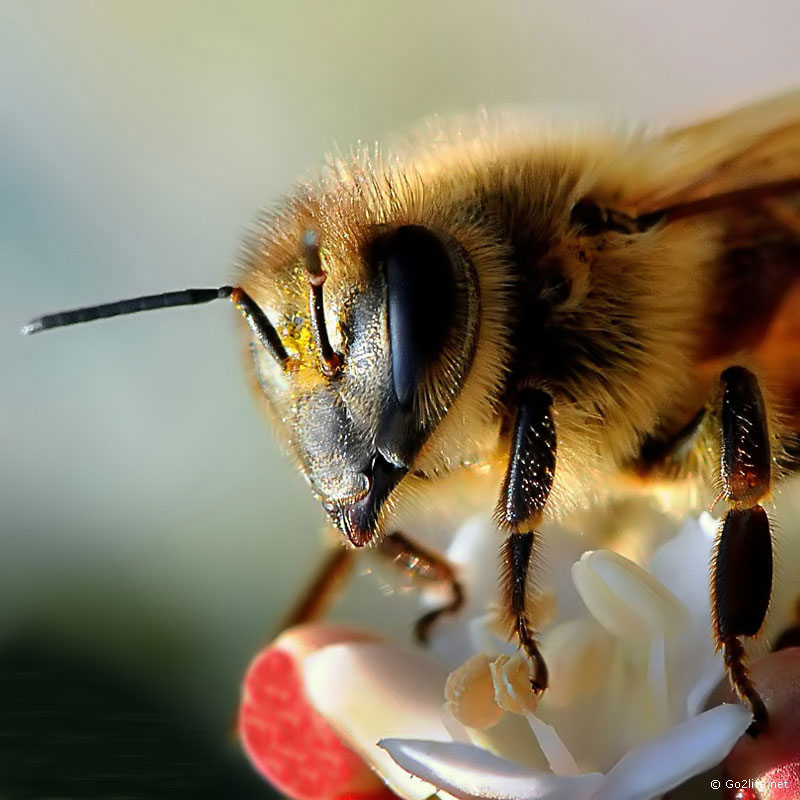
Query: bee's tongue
point(287, 741)
point(359, 519)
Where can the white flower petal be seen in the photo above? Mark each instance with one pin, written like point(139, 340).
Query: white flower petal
point(626, 599)
point(555, 751)
point(484, 638)
point(657, 683)
point(693, 666)
point(650, 770)
point(578, 653)
point(707, 681)
point(469, 542)
point(372, 690)
point(470, 773)
point(655, 666)
point(599, 728)
point(474, 552)
point(682, 562)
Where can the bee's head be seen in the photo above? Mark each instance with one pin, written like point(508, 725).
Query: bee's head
point(378, 340)
point(377, 361)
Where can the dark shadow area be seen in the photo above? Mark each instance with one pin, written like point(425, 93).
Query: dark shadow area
point(71, 727)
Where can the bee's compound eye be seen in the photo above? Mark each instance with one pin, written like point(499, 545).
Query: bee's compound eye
point(421, 301)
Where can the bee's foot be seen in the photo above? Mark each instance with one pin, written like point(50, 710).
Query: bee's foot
point(537, 668)
point(760, 714)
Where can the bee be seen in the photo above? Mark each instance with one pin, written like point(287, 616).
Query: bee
point(573, 311)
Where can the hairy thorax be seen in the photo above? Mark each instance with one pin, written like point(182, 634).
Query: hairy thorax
point(609, 322)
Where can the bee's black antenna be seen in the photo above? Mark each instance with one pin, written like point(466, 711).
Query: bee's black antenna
point(331, 361)
point(256, 318)
point(258, 322)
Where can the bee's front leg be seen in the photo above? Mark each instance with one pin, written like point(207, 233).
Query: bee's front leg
point(741, 581)
point(426, 565)
point(527, 484)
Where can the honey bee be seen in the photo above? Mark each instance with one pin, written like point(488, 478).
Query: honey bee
point(575, 311)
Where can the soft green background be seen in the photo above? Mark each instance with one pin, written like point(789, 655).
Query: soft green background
point(146, 510)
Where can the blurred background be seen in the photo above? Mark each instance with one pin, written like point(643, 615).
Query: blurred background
point(150, 525)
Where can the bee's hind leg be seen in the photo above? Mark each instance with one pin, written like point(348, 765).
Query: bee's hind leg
point(741, 572)
point(527, 484)
point(428, 566)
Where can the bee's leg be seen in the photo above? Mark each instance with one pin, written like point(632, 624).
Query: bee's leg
point(741, 573)
point(323, 588)
point(428, 566)
point(526, 487)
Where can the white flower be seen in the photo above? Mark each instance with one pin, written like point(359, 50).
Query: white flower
point(631, 660)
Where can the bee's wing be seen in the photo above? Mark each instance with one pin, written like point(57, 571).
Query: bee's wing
point(756, 148)
point(744, 170)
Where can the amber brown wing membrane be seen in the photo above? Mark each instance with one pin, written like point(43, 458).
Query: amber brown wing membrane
point(741, 172)
point(756, 148)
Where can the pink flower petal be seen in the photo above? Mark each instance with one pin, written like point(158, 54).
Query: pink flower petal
point(772, 759)
point(284, 737)
point(471, 773)
point(366, 691)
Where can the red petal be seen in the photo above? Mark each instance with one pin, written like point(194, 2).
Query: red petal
point(284, 737)
point(768, 767)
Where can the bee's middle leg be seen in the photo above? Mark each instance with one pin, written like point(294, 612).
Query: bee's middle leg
point(527, 484)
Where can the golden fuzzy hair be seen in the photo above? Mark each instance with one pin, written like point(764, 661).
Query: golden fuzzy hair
point(624, 336)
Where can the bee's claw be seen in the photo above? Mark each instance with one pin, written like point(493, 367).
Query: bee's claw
point(537, 667)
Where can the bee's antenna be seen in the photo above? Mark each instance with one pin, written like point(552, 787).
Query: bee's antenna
point(259, 323)
point(256, 318)
point(331, 361)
